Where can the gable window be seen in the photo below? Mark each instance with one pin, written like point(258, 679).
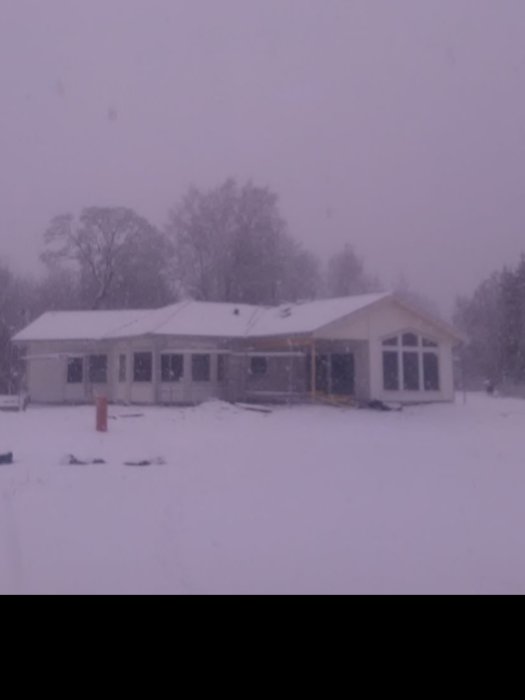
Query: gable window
point(142, 367)
point(410, 363)
point(391, 341)
point(410, 340)
point(98, 369)
point(75, 370)
point(172, 368)
point(122, 368)
point(200, 368)
point(258, 366)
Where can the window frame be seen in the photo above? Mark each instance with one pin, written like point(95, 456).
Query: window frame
point(92, 371)
point(137, 379)
point(171, 378)
point(195, 359)
point(74, 361)
point(426, 345)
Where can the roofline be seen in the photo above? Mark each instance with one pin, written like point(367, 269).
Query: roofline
point(382, 296)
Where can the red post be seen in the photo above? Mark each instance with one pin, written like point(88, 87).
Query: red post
point(102, 414)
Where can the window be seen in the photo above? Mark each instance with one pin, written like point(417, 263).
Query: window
point(122, 368)
point(172, 368)
point(431, 371)
point(258, 366)
point(391, 371)
point(98, 369)
point(411, 363)
point(410, 340)
point(221, 368)
point(142, 367)
point(391, 341)
point(200, 368)
point(75, 370)
point(411, 371)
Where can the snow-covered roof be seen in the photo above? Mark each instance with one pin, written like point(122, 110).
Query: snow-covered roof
point(194, 318)
point(197, 318)
point(78, 325)
point(290, 319)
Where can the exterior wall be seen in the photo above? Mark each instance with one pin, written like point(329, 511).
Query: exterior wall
point(46, 372)
point(389, 318)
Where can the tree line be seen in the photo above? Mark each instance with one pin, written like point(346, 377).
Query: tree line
point(493, 319)
point(229, 243)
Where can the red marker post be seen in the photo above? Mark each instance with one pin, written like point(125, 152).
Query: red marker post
point(102, 414)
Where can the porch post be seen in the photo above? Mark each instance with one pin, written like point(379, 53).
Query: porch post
point(313, 372)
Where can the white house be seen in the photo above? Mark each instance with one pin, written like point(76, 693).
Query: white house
point(373, 346)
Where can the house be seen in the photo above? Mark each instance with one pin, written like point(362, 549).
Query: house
point(372, 346)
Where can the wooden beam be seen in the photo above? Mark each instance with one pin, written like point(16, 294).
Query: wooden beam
point(313, 370)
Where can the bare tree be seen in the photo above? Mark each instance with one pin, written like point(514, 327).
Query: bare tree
point(120, 257)
point(231, 245)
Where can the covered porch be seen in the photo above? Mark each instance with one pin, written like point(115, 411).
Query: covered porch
point(305, 368)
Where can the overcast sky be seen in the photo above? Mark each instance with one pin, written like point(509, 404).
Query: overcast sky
point(396, 125)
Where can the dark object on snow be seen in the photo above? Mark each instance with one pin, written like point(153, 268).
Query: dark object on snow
point(7, 458)
point(74, 461)
point(158, 461)
point(251, 407)
point(489, 387)
point(377, 405)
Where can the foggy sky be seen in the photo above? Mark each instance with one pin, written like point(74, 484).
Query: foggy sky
point(396, 125)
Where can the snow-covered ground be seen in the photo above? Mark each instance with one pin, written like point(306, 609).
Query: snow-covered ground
point(302, 500)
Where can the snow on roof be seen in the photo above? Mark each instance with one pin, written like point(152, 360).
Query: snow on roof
point(196, 318)
point(77, 325)
point(289, 319)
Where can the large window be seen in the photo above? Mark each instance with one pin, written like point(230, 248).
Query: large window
point(75, 370)
point(431, 371)
point(391, 371)
point(411, 371)
point(98, 369)
point(410, 363)
point(200, 368)
point(172, 368)
point(142, 367)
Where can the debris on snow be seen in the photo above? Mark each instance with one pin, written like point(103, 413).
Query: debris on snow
point(251, 407)
point(72, 460)
point(158, 461)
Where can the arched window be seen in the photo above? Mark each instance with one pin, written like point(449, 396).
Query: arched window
point(410, 363)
